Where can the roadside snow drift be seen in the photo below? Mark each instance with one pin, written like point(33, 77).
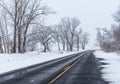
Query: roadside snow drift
point(9, 62)
point(111, 72)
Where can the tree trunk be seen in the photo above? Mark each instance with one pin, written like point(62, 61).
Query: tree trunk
point(71, 47)
point(19, 40)
point(15, 29)
point(83, 47)
point(25, 38)
point(78, 48)
point(24, 45)
point(1, 49)
point(14, 44)
point(45, 47)
point(63, 45)
point(58, 46)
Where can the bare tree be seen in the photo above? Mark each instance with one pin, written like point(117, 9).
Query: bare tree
point(57, 37)
point(78, 37)
point(106, 39)
point(116, 15)
point(84, 40)
point(68, 27)
point(74, 25)
point(24, 13)
point(64, 33)
point(99, 38)
point(43, 35)
point(32, 42)
point(6, 34)
point(1, 36)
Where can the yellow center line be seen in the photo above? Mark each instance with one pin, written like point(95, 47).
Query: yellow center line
point(64, 71)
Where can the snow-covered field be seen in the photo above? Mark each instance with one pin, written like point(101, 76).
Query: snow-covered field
point(112, 71)
point(9, 62)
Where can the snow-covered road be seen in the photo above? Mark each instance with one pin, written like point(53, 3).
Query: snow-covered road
point(9, 62)
point(40, 73)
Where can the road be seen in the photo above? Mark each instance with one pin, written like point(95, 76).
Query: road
point(80, 68)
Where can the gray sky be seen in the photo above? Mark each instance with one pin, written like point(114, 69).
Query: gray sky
point(92, 13)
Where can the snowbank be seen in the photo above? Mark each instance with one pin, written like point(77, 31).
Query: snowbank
point(112, 70)
point(9, 62)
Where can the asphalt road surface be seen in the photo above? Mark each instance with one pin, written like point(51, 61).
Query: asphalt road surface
point(87, 71)
point(80, 68)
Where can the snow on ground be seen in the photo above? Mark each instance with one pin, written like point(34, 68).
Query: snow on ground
point(112, 71)
point(9, 62)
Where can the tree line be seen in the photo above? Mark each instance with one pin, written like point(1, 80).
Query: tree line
point(67, 35)
point(109, 38)
point(22, 28)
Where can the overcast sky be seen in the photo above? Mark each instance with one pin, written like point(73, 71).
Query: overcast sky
point(92, 13)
